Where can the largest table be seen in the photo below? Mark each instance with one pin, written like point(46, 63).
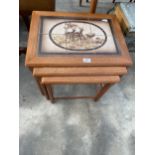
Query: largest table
point(66, 40)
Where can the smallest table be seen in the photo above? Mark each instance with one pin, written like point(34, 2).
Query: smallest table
point(106, 80)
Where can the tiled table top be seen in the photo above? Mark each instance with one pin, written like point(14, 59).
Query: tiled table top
point(75, 39)
point(66, 36)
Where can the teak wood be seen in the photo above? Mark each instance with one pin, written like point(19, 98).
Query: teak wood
point(74, 71)
point(78, 71)
point(102, 91)
point(71, 69)
point(33, 60)
point(106, 80)
point(93, 5)
point(80, 79)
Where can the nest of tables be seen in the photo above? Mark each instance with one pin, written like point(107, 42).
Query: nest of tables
point(76, 48)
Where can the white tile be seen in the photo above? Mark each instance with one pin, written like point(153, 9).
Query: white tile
point(48, 46)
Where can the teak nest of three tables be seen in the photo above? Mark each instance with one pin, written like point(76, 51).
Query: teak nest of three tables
point(76, 48)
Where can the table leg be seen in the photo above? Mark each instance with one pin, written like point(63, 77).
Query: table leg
point(50, 92)
point(41, 87)
point(93, 5)
point(45, 91)
point(102, 91)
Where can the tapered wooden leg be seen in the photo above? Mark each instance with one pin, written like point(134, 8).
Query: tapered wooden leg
point(40, 86)
point(50, 92)
point(45, 91)
point(93, 5)
point(38, 82)
point(102, 91)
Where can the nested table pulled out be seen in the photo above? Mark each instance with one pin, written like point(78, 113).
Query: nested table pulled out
point(73, 48)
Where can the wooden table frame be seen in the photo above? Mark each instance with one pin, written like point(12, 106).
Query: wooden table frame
point(33, 60)
point(108, 81)
point(93, 5)
point(38, 73)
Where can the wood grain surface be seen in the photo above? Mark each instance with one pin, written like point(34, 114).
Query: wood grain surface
point(80, 80)
point(33, 60)
point(78, 71)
